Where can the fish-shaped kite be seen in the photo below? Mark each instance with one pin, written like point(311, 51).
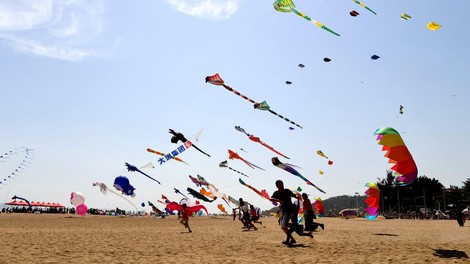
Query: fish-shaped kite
point(397, 153)
point(198, 183)
point(288, 6)
point(257, 139)
point(372, 200)
point(197, 195)
point(261, 193)
point(276, 162)
point(163, 154)
point(216, 80)
point(234, 155)
point(363, 5)
point(222, 208)
point(177, 136)
point(135, 169)
point(224, 164)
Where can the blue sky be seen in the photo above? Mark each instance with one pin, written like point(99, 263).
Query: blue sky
point(90, 85)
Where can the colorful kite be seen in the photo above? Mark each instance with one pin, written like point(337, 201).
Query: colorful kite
point(258, 140)
point(433, 26)
point(198, 182)
point(397, 153)
point(197, 195)
point(135, 169)
point(372, 200)
point(405, 16)
point(191, 209)
point(320, 153)
point(363, 5)
point(318, 205)
point(354, 13)
point(288, 6)
point(216, 80)
point(261, 193)
point(164, 155)
point(121, 183)
point(222, 208)
point(104, 189)
point(290, 169)
point(234, 155)
point(177, 136)
point(206, 193)
point(224, 163)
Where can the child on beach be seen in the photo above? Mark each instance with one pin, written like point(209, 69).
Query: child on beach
point(185, 218)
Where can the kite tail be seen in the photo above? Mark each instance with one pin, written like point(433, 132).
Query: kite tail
point(148, 176)
point(329, 30)
point(200, 151)
point(239, 94)
point(285, 118)
point(316, 187)
point(273, 150)
point(370, 10)
point(238, 172)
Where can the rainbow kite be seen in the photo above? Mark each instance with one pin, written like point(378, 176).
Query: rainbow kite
point(372, 200)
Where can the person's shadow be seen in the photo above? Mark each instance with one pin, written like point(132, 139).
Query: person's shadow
point(446, 253)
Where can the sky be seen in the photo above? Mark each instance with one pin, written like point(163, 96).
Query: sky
point(90, 85)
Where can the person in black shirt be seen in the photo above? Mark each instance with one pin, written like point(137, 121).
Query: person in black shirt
point(284, 197)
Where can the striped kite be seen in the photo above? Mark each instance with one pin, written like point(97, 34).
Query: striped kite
point(258, 140)
point(276, 162)
point(363, 5)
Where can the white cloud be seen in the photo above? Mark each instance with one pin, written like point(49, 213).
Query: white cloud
point(211, 9)
point(61, 29)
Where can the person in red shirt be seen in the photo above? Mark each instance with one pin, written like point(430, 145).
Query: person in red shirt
point(309, 215)
point(185, 218)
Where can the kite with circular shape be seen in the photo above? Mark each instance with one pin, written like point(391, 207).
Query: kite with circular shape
point(104, 190)
point(81, 209)
point(287, 6)
point(398, 154)
point(163, 155)
point(433, 26)
point(287, 167)
point(234, 155)
point(216, 80)
point(258, 140)
point(135, 169)
point(177, 136)
point(363, 5)
point(372, 200)
point(121, 183)
point(224, 164)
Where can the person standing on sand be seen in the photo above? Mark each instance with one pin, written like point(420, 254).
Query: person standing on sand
point(284, 198)
point(185, 218)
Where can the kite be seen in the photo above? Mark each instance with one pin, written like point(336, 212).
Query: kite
point(121, 183)
point(76, 198)
point(326, 59)
point(174, 206)
point(206, 193)
point(164, 155)
point(81, 209)
point(372, 200)
point(135, 169)
point(257, 139)
point(354, 13)
point(433, 26)
point(291, 170)
point(321, 172)
point(291, 128)
point(198, 134)
point(261, 193)
point(104, 189)
point(17, 197)
point(25, 161)
point(234, 155)
point(318, 205)
point(397, 153)
point(233, 201)
point(148, 166)
point(401, 109)
point(154, 208)
point(244, 150)
point(177, 136)
point(224, 163)
point(405, 16)
point(216, 194)
point(197, 195)
point(330, 162)
point(288, 82)
point(375, 57)
point(363, 5)
point(216, 80)
point(288, 6)
point(301, 65)
point(178, 191)
point(198, 182)
point(222, 208)
point(320, 153)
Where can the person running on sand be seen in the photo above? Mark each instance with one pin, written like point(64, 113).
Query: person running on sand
point(309, 215)
point(245, 209)
point(288, 213)
point(255, 214)
point(185, 218)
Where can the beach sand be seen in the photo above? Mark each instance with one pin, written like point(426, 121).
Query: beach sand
point(28, 238)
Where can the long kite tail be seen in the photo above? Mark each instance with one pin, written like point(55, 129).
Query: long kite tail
point(363, 5)
point(272, 149)
point(285, 118)
point(238, 93)
point(200, 150)
point(163, 154)
point(316, 23)
point(148, 176)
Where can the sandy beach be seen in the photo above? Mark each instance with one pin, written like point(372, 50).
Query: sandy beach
point(27, 238)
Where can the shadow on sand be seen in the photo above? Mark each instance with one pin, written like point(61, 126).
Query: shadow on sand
point(446, 253)
point(384, 234)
